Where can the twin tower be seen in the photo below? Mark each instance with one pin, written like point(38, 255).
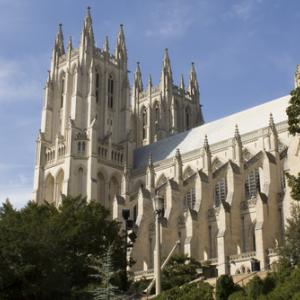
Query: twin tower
point(93, 120)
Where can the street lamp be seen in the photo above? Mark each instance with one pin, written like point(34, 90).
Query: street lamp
point(159, 209)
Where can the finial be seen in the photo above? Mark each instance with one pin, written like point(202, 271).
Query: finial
point(236, 131)
point(70, 44)
point(150, 161)
point(205, 144)
point(182, 82)
point(177, 153)
point(149, 81)
point(271, 120)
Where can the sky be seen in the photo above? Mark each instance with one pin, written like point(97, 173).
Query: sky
point(245, 52)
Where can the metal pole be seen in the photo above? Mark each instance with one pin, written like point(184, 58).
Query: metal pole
point(157, 255)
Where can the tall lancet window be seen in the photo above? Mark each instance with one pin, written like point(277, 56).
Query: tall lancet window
point(220, 191)
point(252, 184)
point(110, 92)
point(62, 90)
point(144, 123)
point(97, 86)
point(156, 116)
point(187, 118)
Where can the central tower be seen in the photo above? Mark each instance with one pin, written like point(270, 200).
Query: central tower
point(91, 124)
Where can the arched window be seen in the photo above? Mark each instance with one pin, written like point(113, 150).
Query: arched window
point(83, 147)
point(110, 92)
point(97, 86)
point(144, 123)
point(62, 91)
point(220, 191)
point(187, 118)
point(79, 147)
point(252, 184)
point(80, 181)
point(190, 199)
point(156, 117)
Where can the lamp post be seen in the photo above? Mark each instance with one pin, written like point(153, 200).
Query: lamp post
point(158, 206)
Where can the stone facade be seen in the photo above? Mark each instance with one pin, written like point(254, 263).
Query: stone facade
point(223, 183)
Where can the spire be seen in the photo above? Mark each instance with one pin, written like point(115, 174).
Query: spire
point(138, 78)
point(205, 144)
point(150, 175)
point(206, 156)
point(237, 148)
point(193, 82)
point(150, 82)
point(150, 160)
point(273, 135)
point(178, 167)
point(87, 36)
point(70, 47)
point(297, 76)
point(121, 52)
point(59, 41)
point(166, 72)
point(106, 45)
point(181, 86)
point(271, 123)
point(237, 133)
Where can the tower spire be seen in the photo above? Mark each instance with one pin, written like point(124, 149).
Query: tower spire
point(166, 72)
point(181, 86)
point(150, 82)
point(59, 41)
point(121, 51)
point(87, 41)
point(193, 82)
point(106, 45)
point(138, 78)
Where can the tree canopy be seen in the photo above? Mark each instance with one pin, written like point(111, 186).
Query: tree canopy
point(44, 250)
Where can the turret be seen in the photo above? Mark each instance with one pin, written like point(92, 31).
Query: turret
point(181, 86)
point(178, 167)
point(87, 42)
point(297, 76)
point(237, 147)
point(58, 50)
point(273, 135)
point(166, 80)
point(138, 83)
point(106, 48)
point(150, 175)
point(121, 52)
point(206, 156)
point(193, 84)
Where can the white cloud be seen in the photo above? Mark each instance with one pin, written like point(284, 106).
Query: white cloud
point(170, 19)
point(18, 195)
point(243, 10)
point(20, 79)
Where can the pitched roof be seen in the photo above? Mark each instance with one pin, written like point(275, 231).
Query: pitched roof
point(219, 130)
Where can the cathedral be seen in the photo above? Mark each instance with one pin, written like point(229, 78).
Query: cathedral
point(223, 182)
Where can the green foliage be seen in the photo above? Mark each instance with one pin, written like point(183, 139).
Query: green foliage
point(288, 287)
point(224, 287)
point(254, 288)
point(294, 184)
point(291, 250)
point(238, 295)
point(44, 250)
point(180, 270)
point(104, 272)
point(194, 291)
point(293, 112)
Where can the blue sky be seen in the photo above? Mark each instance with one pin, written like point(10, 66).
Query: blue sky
point(245, 52)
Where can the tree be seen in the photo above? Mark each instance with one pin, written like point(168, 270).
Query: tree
point(104, 273)
point(293, 111)
point(201, 290)
point(44, 250)
point(254, 288)
point(224, 287)
point(291, 250)
point(180, 270)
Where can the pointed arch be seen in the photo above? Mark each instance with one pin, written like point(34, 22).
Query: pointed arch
point(110, 91)
point(187, 172)
point(162, 179)
point(59, 180)
point(101, 188)
point(114, 190)
point(188, 117)
point(49, 188)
